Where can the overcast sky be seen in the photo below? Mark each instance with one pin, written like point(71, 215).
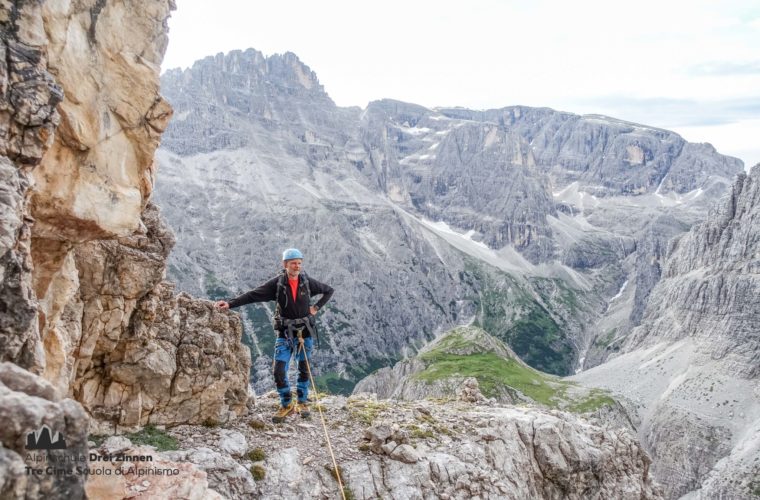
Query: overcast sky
point(692, 67)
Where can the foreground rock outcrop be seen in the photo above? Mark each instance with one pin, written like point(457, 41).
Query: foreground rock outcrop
point(82, 251)
point(159, 479)
point(28, 404)
point(148, 355)
point(421, 449)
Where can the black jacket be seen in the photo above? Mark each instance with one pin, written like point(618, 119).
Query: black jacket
point(288, 309)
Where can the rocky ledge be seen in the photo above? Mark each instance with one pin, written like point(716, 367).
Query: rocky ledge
point(421, 449)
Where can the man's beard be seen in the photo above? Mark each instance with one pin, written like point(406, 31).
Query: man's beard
point(293, 274)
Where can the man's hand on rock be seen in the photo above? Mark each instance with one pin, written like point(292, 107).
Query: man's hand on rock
point(222, 305)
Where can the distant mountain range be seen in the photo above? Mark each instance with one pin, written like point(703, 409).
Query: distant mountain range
point(556, 233)
point(547, 228)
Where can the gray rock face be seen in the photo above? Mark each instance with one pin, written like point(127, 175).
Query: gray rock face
point(690, 369)
point(683, 463)
point(652, 248)
point(709, 293)
point(735, 475)
point(710, 283)
point(475, 176)
point(19, 336)
point(28, 99)
point(606, 155)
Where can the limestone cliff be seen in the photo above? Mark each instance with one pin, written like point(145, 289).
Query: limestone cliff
point(81, 249)
point(28, 118)
point(710, 283)
point(690, 371)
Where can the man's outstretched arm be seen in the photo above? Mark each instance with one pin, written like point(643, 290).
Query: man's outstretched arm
point(263, 293)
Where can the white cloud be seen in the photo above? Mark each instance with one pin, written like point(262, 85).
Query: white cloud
point(738, 139)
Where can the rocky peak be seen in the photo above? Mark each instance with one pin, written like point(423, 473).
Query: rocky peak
point(729, 239)
point(243, 91)
point(250, 71)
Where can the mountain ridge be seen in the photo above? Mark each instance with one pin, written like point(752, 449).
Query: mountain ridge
point(416, 167)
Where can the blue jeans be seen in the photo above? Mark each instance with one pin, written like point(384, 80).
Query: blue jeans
point(282, 354)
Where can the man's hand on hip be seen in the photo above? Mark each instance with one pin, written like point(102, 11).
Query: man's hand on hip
point(313, 310)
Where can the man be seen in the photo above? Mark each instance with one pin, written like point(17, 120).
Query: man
point(294, 322)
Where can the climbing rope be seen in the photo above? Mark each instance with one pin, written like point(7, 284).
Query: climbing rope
point(321, 415)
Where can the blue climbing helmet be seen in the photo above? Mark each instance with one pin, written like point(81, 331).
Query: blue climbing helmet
point(292, 253)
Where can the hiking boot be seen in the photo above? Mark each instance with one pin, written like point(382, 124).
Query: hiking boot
point(283, 412)
point(303, 409)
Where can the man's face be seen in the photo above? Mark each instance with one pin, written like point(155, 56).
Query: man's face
point(293, 266)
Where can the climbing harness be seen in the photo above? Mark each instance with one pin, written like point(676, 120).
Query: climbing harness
point(291, 327)
point(287, 326)
point(321, 415)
